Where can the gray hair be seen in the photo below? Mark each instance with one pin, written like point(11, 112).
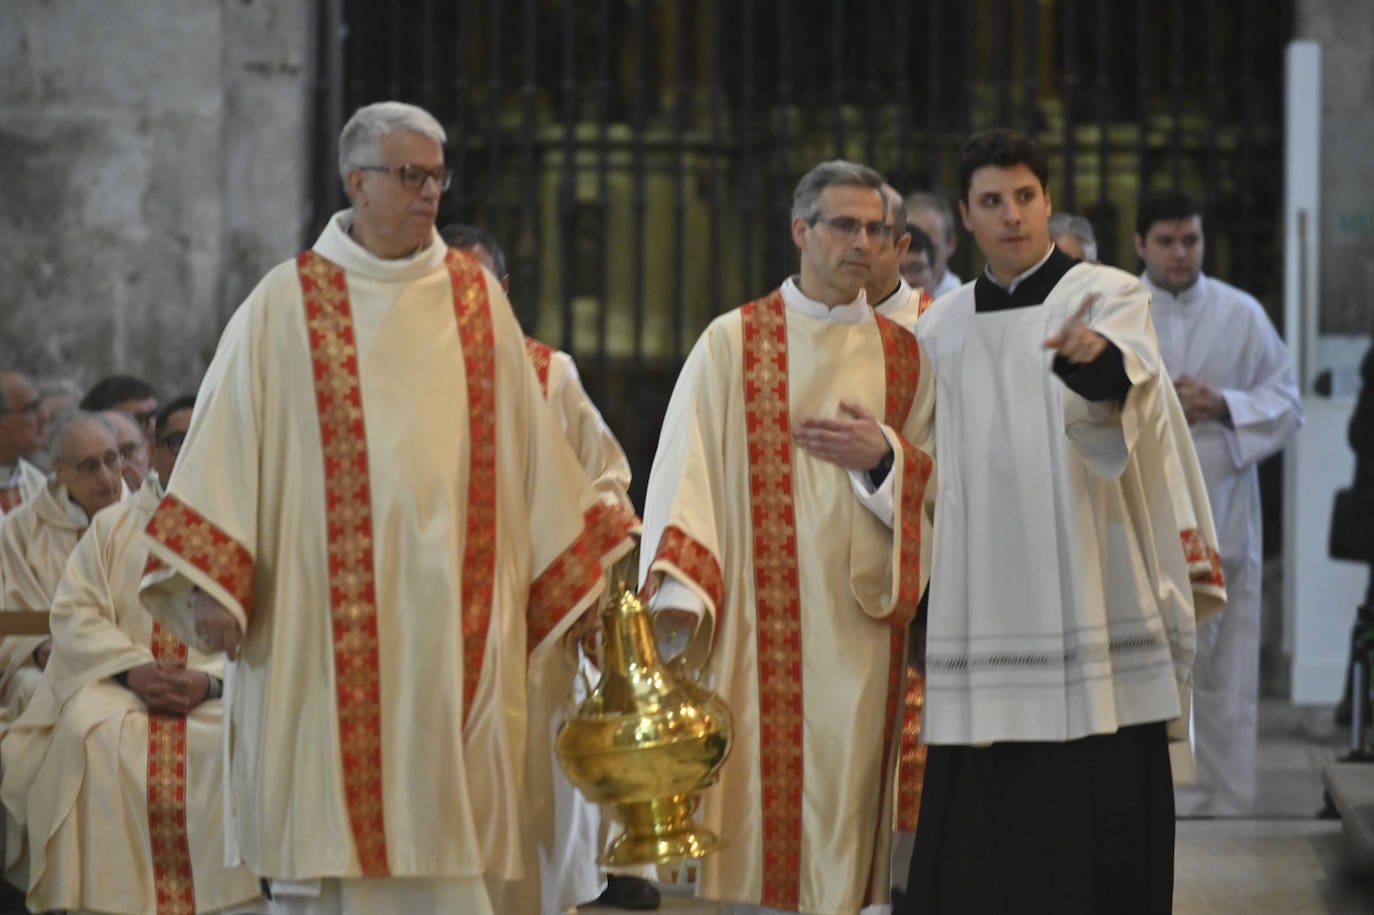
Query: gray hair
point(362, 135)
point(77, 417)
point(806, 199)
point(921, 200)
point(1078, 227)
point(116, 416)
point(896, 211)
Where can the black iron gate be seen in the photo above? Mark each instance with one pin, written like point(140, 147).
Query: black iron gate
point(636, 157)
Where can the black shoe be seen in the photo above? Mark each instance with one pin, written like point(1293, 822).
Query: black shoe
point(633, 893)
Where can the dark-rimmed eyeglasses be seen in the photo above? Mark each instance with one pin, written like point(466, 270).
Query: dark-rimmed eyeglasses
point(849, 227)
point(412, 177)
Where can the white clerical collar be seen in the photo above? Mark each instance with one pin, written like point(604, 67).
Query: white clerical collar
point(336, 244)
point(897, 301)
point(1190, 296)
point(76, 514)
point(852, 313)
point(1016, 280)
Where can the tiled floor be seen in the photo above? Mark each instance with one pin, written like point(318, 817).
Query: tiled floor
point(1283, 860)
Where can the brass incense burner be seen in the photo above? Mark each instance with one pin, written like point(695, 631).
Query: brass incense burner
point(646, 741)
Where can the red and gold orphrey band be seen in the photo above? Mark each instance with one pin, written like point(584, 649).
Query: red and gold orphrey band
point(902, 368)
point(541, 356)
point(186, 533)
point(348, 517)
point(695, 563)
point(1204, 563)
point(472, 310)
point(777, 595)
point(576, 572)
point(173, 880)
point(911, 761)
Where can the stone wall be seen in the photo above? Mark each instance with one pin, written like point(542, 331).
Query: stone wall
point(1345, 29)
point(153, 154)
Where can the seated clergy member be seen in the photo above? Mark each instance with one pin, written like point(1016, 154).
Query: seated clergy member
point(134, 453)
point(38, 536)
point(113, 774)
point(128, 395)
point(22, 426)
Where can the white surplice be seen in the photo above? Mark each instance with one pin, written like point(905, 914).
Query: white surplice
point(1062, 599)
point(1222, 337)
point(700, 494)
point(453, 790)
point(76, 763)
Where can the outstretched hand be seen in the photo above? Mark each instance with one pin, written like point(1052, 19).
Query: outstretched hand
point(1076, 341)
point(853, 440)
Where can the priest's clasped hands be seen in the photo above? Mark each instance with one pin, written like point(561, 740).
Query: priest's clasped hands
point(169, 689)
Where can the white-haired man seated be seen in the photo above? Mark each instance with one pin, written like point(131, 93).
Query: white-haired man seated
point(38, 536)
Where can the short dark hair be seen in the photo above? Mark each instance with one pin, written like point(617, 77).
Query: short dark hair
point(184, 402)
point(1002, 148)
point(919, 239)
point(461, 235)
point(107, 393)
point(1168, 204)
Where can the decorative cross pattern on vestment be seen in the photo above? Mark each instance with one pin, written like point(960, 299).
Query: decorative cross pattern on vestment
point(777, 596)
point(687, 559)
point(902, 367)
point(191, 536)
point(576, 571)
point(173, 880)
point(348, 523)
point(541, 357)
point(472, 310)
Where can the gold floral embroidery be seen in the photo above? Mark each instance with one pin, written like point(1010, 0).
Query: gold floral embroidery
point(348, 518)
point(173, 880)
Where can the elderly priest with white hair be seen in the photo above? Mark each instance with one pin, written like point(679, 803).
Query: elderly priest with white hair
point(38, 536)
point(377, 516)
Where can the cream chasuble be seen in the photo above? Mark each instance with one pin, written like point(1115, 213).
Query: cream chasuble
point(35, 541)
point(1074, 540)
point(119, 810)
point(808, 593)
point(22, 483)
point(572, 835)
point(373, 486)
point(601, 457)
